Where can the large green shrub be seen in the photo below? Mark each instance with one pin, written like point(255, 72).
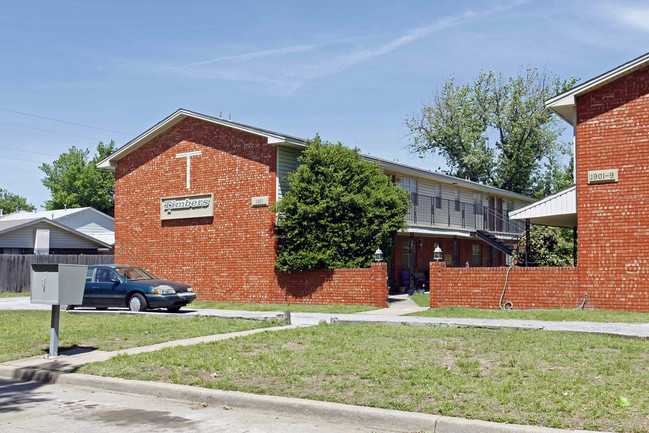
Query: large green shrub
point(339, 209)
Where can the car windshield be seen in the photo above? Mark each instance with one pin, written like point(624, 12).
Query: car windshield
point(132, 273)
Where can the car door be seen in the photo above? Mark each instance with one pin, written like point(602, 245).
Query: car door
point(105, 289)
point(90, 291)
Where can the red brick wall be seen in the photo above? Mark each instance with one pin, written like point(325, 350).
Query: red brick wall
point(231, 255)
point(338, 286)
point(527, 288)
point(613, 132)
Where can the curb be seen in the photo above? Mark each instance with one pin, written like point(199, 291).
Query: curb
point(295, 407)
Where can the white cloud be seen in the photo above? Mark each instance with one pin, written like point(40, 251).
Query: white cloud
point(312, 61)
point(249, 56)
point(635, 16)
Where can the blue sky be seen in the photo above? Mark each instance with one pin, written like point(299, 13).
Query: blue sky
point(351, 71)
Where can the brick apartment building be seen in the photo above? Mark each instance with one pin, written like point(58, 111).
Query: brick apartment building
point(192, 203)
point(609, 206)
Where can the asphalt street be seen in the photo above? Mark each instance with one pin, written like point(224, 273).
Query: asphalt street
point(38, 407)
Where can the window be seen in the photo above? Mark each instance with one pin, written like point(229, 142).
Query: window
point(457, 200)
point(410, 185)
point(405, 254)
point(438, 196)
point(477, 203)
point(477, 254)
point(104, 276)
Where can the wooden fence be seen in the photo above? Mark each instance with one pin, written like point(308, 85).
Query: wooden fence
point(15, 268)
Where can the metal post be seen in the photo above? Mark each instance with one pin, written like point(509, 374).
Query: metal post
point(412, 260)
point(527, 242)
point(456, 253)
point(54, 332)
point(463, 221)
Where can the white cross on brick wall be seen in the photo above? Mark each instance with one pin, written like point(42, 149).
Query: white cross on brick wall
point(188, 156)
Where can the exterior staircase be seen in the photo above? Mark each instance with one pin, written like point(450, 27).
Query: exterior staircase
point(495, 242)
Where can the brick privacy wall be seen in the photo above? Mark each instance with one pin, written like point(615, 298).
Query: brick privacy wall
point(338, 286)
point(527, 288)
point(613, 132)
point(230, 256)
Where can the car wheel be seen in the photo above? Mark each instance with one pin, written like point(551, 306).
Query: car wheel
point(137, 302)
point(68, 307)
point(173, 309)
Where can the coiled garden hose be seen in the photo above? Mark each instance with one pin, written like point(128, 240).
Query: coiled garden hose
point(510, 305)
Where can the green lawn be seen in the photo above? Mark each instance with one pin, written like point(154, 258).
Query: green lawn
point(26, 333)
point(421, 299)
point(550, 315)
point(554, 379)
point(298, 308)
point(12, 294)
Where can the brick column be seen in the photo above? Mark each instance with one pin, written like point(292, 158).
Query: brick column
point(436, 284)
point(380, 284)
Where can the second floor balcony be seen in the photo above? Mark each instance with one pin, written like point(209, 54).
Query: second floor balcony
point(439, 212)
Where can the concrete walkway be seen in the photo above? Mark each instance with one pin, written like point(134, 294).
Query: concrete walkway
point(70, 360)
point(398, 306)
point(386, 316)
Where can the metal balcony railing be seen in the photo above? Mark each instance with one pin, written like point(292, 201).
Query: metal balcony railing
point(436, 211)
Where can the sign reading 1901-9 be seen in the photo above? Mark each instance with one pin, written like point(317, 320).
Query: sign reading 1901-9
point(191, 206)
point(602, 176)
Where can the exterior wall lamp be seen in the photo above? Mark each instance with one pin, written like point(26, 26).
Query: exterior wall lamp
point(438, 254)
point(378, 255)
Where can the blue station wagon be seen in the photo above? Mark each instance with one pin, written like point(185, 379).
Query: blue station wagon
point(132, 287)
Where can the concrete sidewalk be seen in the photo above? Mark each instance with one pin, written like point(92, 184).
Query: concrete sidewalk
point(70, 360)
point(399, 305)
point(386, 316)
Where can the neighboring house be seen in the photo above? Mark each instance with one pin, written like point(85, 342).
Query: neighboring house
point(608, 203)
point(193, 196)
point(45, 236)
point(86, 221)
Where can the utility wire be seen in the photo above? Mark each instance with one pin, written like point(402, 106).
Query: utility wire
point(27, 151)
point(63, 121)
point(18, 159)
point(50, 131)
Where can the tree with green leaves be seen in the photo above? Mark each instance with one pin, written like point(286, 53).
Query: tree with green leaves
point(75, 181)
point(339, 209)
point(10, 202)
point(549, 246)
point(496, 130)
